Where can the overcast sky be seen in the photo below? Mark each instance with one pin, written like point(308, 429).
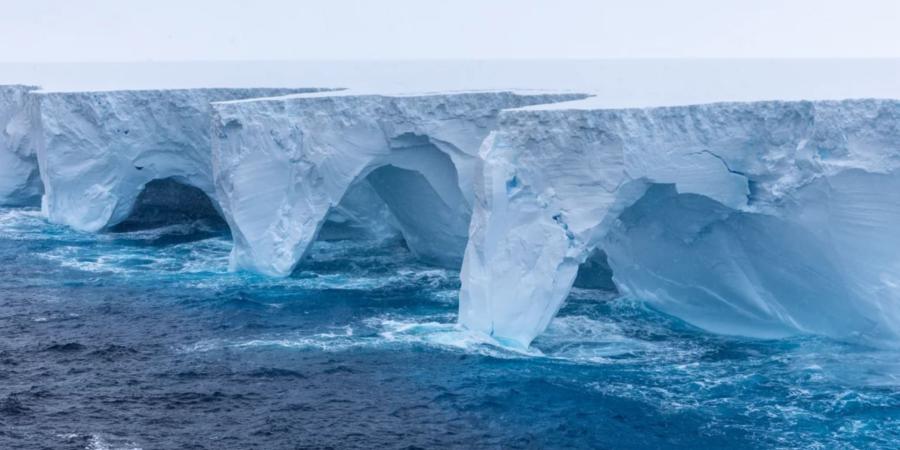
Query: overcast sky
point(179, 30)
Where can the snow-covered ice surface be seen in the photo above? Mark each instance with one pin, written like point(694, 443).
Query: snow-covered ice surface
point(616, 83)
point(282, 164)
point(757, 219)
point(98, 149)
point(20, 183)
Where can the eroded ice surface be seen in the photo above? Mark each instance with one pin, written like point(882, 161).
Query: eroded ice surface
point(282, 165)
point(20, 183)
point(97, 150)
point(759, 219)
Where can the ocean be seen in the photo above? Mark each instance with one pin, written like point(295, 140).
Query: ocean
point(141, 338)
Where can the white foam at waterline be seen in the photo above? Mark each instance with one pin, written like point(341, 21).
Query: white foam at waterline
point(388, 332)
point(337, 340)
point(97, 442)
point(576, 339)
point(22, 224)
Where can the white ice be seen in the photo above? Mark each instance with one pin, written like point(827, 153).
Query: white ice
point(20, 183)
point(97, 150)
point(282, 165)
point(759, 219)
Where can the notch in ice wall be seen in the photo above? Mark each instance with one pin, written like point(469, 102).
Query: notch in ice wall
point(759, 219)
point(97, 150)
point(20, 182)
point(281, 165)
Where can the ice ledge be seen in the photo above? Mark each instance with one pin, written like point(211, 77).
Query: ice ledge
point(557, 184)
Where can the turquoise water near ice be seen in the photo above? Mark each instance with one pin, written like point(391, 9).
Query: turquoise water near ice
point(143, 339)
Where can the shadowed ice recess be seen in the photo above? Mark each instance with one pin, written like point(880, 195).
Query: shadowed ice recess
point(359, 312)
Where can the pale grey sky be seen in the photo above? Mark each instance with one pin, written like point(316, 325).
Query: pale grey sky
point(182, 30)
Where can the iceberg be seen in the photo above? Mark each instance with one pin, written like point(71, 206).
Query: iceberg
point(20, 182)
point(761, 219)
point(97, 150)
point(283, 166)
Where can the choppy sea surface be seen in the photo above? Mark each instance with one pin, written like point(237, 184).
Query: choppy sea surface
point(143, 339)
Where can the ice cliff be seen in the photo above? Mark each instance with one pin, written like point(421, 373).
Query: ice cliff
point(759, 219)
point(97, 150)
point(283, 165)
point(20, 183)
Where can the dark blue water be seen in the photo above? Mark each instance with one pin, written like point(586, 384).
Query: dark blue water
point(143, 340)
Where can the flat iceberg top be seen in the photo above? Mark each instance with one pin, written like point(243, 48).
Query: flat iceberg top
point(641, 123)
point(370, 94)
point(19, 87)
point(847, 133)
point(594, 103)
point(616, 83)
point(206, 91)
point(428, 110)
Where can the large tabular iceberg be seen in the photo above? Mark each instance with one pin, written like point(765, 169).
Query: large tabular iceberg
point(283, 165)
point(759, 219)
point(97, 150)
point(20, 182)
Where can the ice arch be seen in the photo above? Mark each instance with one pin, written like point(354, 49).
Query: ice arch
point(282, 164)
point(169, 201)
point(423, 194)
point(595, 272)
point(361, 215)
point(826, 265)
point(671, 194)
point(96, 150)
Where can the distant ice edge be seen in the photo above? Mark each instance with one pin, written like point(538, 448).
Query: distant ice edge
point(758, 219)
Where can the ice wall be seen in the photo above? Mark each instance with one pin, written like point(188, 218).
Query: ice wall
point(760, 219)
point(20, 182)
point(97, 150)
point(281, 165)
